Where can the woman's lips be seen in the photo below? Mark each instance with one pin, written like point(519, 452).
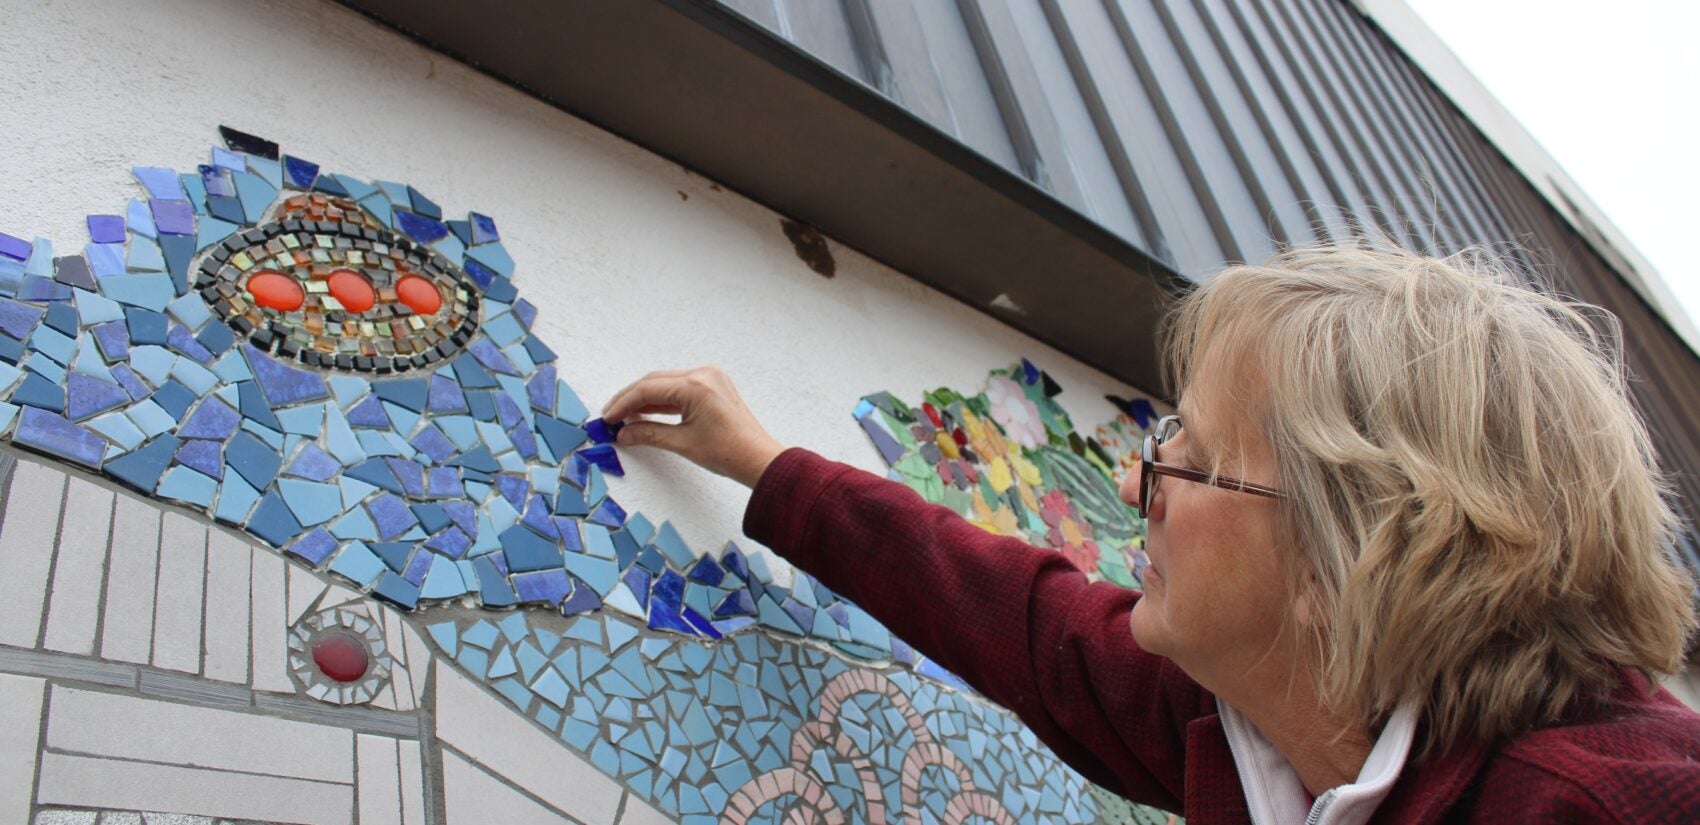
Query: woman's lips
point(1151, 572)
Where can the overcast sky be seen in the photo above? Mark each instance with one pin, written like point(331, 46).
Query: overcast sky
point(1612, 90)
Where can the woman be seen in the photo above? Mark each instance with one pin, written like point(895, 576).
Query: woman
point(1406, 561)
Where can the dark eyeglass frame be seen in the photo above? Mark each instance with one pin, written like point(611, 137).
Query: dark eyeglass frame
point(1150, 468)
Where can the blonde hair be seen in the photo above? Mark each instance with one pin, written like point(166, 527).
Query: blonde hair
point(1477, 522)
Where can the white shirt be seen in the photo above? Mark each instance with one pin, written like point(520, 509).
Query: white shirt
point(1275, 794)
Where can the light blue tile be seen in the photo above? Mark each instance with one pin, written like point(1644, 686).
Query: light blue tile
point(235, 498)
point(567, 406)
point(513, 626)
point(545, 479)
point(190, 310)
point(308, 420)
point(119, 428)
point(254, 193)
point(149, 290)
point(460, 429)
point(600, 574)
point(482, 634)
point(184, 484)
point(197, 378)
point(140, 219)
point(152, 363)
point(354, 491)
point(621, 599)
point(340, 438)
point(595, 487)
point(530, 660)
point(271, 171)
point(45, 368)
point(502, 665)
point(504, 330)
point(312, 502)
point(93, 308)
point(9, 375)
point(443, 580)
point(209, 230)
point(373, 444)
point(494, 256)
point(598, 542)
point(144, 256)
point(586, 629)
point(671, 545)
point(150, 418)
point(358, 563)
point(232, 368)
point(521, 358)
point(347, 389)
point(446, 637)
point(403, 418)
point(273, 438)
point(356, 525)
point(105, 259)
point(473, 661)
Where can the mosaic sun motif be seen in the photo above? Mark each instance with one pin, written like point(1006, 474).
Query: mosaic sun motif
point(348, 375)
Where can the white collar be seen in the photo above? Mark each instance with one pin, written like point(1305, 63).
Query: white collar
point(1274, 793)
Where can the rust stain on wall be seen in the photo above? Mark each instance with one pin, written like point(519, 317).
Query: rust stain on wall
point(811, 246)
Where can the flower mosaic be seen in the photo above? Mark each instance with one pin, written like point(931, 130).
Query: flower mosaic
point(1010, 461)
point(346, 373)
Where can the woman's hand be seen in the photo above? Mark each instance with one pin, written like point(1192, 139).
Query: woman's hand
point(715, 429)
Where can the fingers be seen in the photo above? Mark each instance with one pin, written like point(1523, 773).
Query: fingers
point(628, 388)
point(660, 391)
point(650, 434)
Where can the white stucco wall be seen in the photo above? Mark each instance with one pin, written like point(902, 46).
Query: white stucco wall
point(629, 275)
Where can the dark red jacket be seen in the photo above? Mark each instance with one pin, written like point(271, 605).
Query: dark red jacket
point(1025, 628)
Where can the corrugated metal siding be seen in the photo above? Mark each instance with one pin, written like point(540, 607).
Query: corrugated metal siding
point(1208, 131)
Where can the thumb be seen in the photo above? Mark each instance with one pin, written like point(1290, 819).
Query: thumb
point(651, 434)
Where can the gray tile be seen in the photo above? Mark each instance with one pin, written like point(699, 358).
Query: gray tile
point(488, 730)
point(108, 783)
point(73, 609)
point(63, 817)
point(69, 668)
point(379, 791)
point(20, 718)
point(471, 795)
point(227, 608)
point(26, 551)
point(269, 624)
point(128, 727)
point(412, 782)
point(177, 608)
point(193, 688)
point(126, 631)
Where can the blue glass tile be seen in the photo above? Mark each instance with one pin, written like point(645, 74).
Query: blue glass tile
point(211, 419)
point(283, 384)
point(601, 432)
point(706, 571)
point(173, 217)
point(88, 396)
point(357, 563)
point(603, 456)
point(391, 515)
point(205, 457)
point(545, 586)
point(313, 464)
point(106, 228)
point(273, 521)
point(17, 249)
point(184, 484)
point(420, 228)
point(452, 543)
point(298, 173)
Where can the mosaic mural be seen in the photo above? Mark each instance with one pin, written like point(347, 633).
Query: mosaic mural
point(347, 374)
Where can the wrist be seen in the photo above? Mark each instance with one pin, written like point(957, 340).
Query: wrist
point(759, 457)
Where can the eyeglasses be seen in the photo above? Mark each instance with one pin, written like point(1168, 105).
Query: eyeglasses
point(1149, 468)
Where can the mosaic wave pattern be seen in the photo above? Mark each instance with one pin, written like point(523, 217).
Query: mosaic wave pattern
point(208, 349)
point(1010, 461)
point(756, 729)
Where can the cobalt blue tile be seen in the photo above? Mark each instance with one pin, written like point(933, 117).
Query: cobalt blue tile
point(254, 406)
point(706, 571)
point(480, 274)
point(524, 550)
point(212, 419)
point(283, 384)
point(540, 353)
point(609, 514)
point(446, 396)
point(418, 568)
point(203, 456)
point(600, 431)
point(106, 228)
point(252, 459)
point(582, 600)
point(273, 521)
point(433, 443)
point(603, 456)
point(736, 603)
point(73, 270)
point(501, 289)
point(314, 464)
point(546, 586)
point(216, 338)
point(423, 205)
point(369, 413)
point(88, 396)
point(391, 515)
point(173, 217)
point(375, 472)
point(397, 590)
point(394, 553)
point(489, 357)
point(483, 229)
point(412, 393)
point(174, 398)
point(298, 173)
point(217, 181)
point(419, 227)
point(142, 467)
point(39, 392)
point(493, 586)
point(432, 517)
point(145, 325)
point(55, 435)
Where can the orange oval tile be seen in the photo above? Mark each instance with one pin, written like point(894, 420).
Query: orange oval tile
point(419, 295)
point(352, 290)
point(275, 290)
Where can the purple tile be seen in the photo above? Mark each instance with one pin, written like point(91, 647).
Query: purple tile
point(433, 443)
point(17, 249)
point(583, 600)
point(204, 456)
point(445, 482)
point(545, 586)
point(113, 337)
point(410, 474)
point(369, 413)
point(513, 488)
point(491, 357)
point(55, 435)
point(106, 228)
point(446, 396)
point(507, 411)
point(283, 384)
point(18, 320)
point(525, 312)
point(541, 389)
point(173, 217)
point(464, 515)
point(86, 396)
point(538, 517)
point(391, 515)
point(525, 441)
point(73, 270)
point(179, 338)
point(313, 464)
point(128, 380)
point(315, 546)
point(213, 419)
point(451, 542)
point(417, 568)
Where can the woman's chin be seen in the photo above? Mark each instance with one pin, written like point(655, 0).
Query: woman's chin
point(1144, 622)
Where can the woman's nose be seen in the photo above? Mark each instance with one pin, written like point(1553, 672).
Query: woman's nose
point(1129, 490)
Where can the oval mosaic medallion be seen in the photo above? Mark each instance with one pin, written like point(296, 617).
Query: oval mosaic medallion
point(329, 286)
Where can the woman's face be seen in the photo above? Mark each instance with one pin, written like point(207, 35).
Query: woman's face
point(1215, 598)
